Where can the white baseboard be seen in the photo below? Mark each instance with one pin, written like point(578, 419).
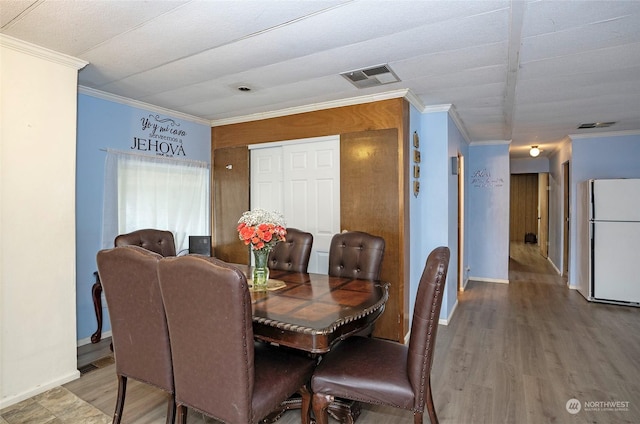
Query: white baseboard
point(443, 321)
point(447, 320)
point(554, 265)
point(489, 280)
point(40, 388)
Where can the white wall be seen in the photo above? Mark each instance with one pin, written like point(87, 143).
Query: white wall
point(37, 220)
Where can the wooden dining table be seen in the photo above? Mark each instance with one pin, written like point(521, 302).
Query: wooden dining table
point(311, 312)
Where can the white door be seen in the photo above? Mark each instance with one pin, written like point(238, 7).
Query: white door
point(266, 179)
point(309, 189)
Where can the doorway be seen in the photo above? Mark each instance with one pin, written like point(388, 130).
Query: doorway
point(566, 216)
point(460, 172)
point(529, 210)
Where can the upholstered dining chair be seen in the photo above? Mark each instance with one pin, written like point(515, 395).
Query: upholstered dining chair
point(218, 368)
point(140, 336)
point(159, 241)
point(356, 254)
point(293, 253)
point(384, 372)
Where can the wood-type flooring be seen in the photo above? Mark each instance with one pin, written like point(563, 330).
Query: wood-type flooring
point(528, 352)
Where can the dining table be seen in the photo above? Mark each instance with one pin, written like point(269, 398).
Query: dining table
point(312, 312)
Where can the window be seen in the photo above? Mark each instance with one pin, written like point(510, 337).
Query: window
point(155, 192)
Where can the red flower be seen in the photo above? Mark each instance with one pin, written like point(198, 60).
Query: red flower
point(246, 232)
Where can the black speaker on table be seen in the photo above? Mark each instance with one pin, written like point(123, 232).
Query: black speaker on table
point(200, 245)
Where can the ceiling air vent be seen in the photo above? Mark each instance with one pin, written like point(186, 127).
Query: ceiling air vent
point(595, 125)
point(371, 77)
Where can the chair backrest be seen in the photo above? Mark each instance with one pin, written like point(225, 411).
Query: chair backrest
point(129, 277)
point(355, 254)
point(159, 241)
point(293, 253)
point(424, 326)
point(210, 323)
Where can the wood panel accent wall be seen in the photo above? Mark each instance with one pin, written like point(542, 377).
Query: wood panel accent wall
point(524, 206)
point(391, 212)
point(369, 202)
point(230, 186)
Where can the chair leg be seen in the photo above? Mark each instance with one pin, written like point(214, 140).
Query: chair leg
point(430, 405)
point(182, 415)
point(122, 391)
point(305, 411)
point(171, 409)
point(320, 404)
point(417, 418)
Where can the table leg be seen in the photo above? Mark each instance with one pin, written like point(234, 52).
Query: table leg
point(344, 410)
point(96, 293)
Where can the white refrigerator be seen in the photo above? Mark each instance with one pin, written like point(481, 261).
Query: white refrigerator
point(609, 241)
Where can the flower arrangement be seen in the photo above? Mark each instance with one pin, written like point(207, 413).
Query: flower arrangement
point(261, 229)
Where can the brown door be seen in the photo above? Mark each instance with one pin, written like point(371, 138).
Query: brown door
point(524, 206)
point(369, 174)
point(543, 213)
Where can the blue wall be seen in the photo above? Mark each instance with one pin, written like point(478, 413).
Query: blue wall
point(488, 182)
point(457, 145)
point(434, 212)
point(417, 232)
point(432, 200)
point(104, 124)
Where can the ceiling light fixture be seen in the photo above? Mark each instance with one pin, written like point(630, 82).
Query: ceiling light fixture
point(534, 152)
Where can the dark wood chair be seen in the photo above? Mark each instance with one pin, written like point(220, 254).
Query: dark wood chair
point(140, 336)
point(384, 372)
point(359, 255)
point(158, 241)
point(292, 254)
point(355, 254)
point(219, 369)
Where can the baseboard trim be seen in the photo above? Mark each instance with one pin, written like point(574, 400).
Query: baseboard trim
point(554, 266)
point(489, 280)
point(447, 320)
point(40, 388)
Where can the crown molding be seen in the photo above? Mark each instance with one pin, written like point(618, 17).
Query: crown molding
point(453, 114)
point(604, 134)
point(489, 142)
point(41, 52)
point(456, 118)
point(312, 107)
point(141, 105)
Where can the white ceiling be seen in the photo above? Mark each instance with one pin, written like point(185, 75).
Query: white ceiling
point(525, 71)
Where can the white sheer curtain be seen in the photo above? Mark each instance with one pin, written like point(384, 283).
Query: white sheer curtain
point(155, 192)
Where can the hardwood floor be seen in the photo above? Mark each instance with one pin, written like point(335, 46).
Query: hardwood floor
point(513, 353)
